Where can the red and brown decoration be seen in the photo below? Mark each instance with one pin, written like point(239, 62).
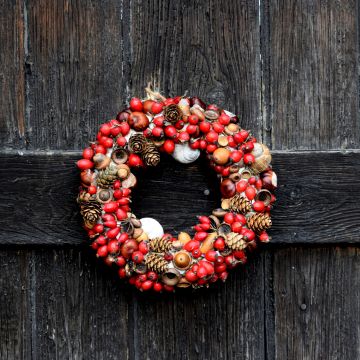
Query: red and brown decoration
point(183, 127)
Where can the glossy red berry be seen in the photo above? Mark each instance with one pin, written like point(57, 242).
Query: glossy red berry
point(137, 257)
point(205, 127)
point(135, 160)
point(250, 192)
point(157, 287)
point(212, 136)
point(219, 244)
point(258, 206)
point(156, 108)
point(249, 159)
point(224, 119)
point(121, 141)
point(88, 153)
point(147, 285)
point(236, 227)
point(102, 251)
point(211, 255)
point(157, 132)
point(136, 104)
point(229, 218)
point(191, 276)
point(193, 119)
point(84, 164)
point(92, 189)
point(169, 146)
point(170, 132)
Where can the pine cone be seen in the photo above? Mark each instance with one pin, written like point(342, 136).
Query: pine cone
point(160, 245)
point(151, 155)
point(107, 177)
point(235, 241)
point(137, 143)
point(259, 222)
point(172, 113)
point(157, 263)
point(239, 204)
point(90, 211)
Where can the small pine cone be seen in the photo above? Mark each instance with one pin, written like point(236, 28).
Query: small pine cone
point(235, 241)
point(90, 211)
point(172, 113)
point(157, 263)
point(151, 155)
point(240, 204)
point(160, 245)
point(259, 222)
point(107, 177)
point(137, 143)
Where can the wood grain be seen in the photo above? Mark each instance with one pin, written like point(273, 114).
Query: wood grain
point(82, 309)
point(313, 74)
point(15, 315)
point(12, 74)
point(204, 48)
point(223, 322)
point(79, 55)
point(317, 307)
point(315, 204)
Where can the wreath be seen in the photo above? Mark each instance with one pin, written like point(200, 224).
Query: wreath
point(184, 127)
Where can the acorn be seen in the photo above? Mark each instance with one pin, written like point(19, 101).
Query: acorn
point(221, 156)
point(101, 161)
point(227, 188)
point(182, 260)
point(123, 171)
point(104, 195)
point(138, 121)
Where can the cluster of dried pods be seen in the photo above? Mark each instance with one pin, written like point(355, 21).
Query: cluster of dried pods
point(182, 127)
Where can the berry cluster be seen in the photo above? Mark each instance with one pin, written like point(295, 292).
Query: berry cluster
point(183, 127)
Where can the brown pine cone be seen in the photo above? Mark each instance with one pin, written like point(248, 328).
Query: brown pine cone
point(157, 263)
point(235, 241)
point(259, 222)
point(151, 155)
point(137, 143)
point(107, 177)
point(239, 204)
point(172, 113)
point(160, 245)
point(90, 211)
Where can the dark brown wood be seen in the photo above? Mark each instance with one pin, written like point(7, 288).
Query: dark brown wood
point(15, 309)
point(313, 50)
point(79, 66)
point(12, 74)
point(205, 48)
point(314, 202)
point(82, 309)
point(317, 307)
point(226, 321)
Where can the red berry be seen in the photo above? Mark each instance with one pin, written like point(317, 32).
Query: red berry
point(121, 214)
point(143, 247)
point(102, 251)
point(258, 206)
point(157, 132)
point(190, 276)
point(236, 227)
point(110, 224)
point(264, 237)
point(135, 160)
point(211, 255)
point(191, 245)
point(92, 190)
point(229, 218)
point(122, 273)
point(100, 149)
point(121, 141)
point(151, 275)
point(113, 246)
point(220, 268)
point(193, 119)
point(159, 121)
point(241, 186)
point(250, 192)
point(240, 218)
point(136, 104)
point(219, 244)
point(147, 285)
point(224, 119)
point(111, 207)
point(170, 132)
point(183, 136)
point(211, 148)
point(249, 146)
point(252, 180)
point(202, 272)
point(211, 136)
point(169, 146)
point(156, 108)
point(195, 144)
point(125, 128)
point(249, 159)
point(84, 164)
point(137, 257)
point(218, 127)
point(205, 127)
point(123, 237)
point(201, 236)
point(192, 129)
point(113, 233)
point(105, 129)
point(157, 287)
point(196, 253)
point(115, 131)
point(88, 153)
point(236, 156)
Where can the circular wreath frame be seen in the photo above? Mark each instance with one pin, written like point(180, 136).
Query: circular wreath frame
point(184, 127)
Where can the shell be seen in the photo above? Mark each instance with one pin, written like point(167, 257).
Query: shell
point(152, 227)
point(184, 154)
point(129, 182)
point(262, 158)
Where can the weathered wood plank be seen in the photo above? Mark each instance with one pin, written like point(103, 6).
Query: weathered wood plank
point(313, 54)
point(12, 74)
point(79, 56)
point(15, 315)
point(223, 322)
point(205, 48)
point(315, 204)
point(317, 302)
point(82, 310)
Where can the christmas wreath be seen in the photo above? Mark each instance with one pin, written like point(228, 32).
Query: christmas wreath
point(184, 127)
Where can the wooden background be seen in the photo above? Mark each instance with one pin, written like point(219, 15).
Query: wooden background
point(290, 68)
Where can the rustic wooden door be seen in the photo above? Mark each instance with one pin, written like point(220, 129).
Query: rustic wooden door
point(289, 68)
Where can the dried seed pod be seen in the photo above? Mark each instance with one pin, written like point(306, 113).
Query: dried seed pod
point(235, 177)
point(219, 213)
point(137, 143)
point(183, 283)
point(156, 262)
point(240, 204)
point(182, 260)
point(119, 156)
point(184, 237)
point(171, 277)
point(208, 243)
point(101, 161)
point(127, 227)
point(160, 245)
point(246, 174)
point(235, 241)
point(223, 141)
point(224, 229)
point(259, 222)
point(172, 113)
point(214, 222)
point(211, 115)
point(135, 221)
point(231, 129)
